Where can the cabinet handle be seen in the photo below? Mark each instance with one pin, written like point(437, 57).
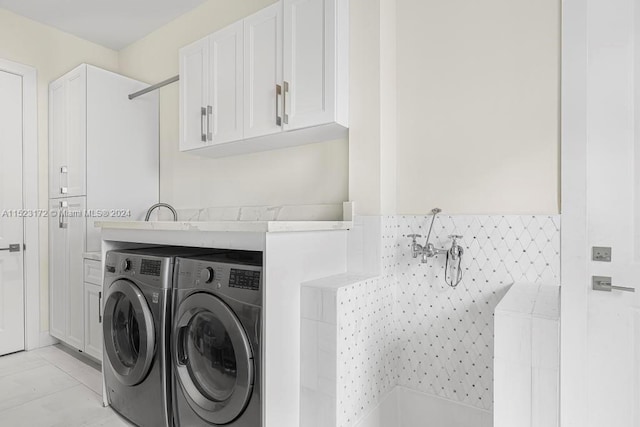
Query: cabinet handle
point(278, 93)
point(99, 307)
point(284, 103)
point(63, 173)
point(209, 114)
point(61, 223)
point(203, 133)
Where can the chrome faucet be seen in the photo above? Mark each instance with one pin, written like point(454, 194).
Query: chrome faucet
point(428, 250)
point(161, 205)
point(453, 268)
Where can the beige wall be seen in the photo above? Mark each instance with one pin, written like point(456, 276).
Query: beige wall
point(311, 174)
point(477, 110)
point(52, 53)
point(478, 106)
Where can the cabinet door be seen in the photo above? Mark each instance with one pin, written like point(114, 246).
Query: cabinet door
point(75, 228)
point(76, 115)
point(93, 320)
point(263, 72)
point(57, 137)
point(224, 112)
point(57, 272)
point(309, 63)
point(194, 87)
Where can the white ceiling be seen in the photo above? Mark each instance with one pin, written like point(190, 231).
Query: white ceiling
point(111, 23)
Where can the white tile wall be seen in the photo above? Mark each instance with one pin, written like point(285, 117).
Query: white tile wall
point(407, 327)
point(446, 334)
point(318, 340)
point(366, 347)
point(527, 348)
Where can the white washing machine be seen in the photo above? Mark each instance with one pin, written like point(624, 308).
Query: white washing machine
point(136, 326)
point(216, 340)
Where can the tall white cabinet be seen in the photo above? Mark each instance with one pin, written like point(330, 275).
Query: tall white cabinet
point(103, 164)
point(277, 78)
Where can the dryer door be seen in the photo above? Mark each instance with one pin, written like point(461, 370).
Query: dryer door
point(213, 358)
point(129, 333)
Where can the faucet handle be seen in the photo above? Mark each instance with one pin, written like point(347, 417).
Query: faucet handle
point(455, 237)
point(414, 236)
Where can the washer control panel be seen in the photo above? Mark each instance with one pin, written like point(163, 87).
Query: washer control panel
point(151, 270)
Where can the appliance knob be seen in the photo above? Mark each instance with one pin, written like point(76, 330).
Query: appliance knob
point(126, 264)
point(207, 275)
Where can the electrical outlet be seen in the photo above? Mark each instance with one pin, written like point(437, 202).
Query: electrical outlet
point(601, 253)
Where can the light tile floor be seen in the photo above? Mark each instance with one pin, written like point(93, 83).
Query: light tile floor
point(50, 387)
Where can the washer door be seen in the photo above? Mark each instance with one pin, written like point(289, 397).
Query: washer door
point(213, 358)
point(129, 333)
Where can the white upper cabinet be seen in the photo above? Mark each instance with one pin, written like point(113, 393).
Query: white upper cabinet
point(194, 87)
point(312, 81)
point(224, 110)
point(67, 121)
point(211, 89)
point(263, 72)
point(277, 78)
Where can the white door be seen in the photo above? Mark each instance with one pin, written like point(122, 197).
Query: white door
point(57, 270)
point(67, 243)
point(224, 112)
point(11, 224)
point(68, 134)
point(601, 208)
point(194, 87)
point(93, 320)
point(76, 110)
point(263, 72)
point(75, 247)
point(309, 63)
point(58, 165)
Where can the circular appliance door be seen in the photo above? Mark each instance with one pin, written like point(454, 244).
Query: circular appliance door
point(129, 335)
point(213, 358)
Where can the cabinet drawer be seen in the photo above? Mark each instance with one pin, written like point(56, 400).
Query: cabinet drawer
point(93, 272)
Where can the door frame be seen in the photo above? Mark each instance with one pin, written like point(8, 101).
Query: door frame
point(31, 261)
point(573, 248)
point(575, 256)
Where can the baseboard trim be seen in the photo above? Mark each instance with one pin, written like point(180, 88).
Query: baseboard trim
point(45, 340)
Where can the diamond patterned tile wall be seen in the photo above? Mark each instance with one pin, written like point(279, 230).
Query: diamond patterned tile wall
point(445, 335)
point(367, 356)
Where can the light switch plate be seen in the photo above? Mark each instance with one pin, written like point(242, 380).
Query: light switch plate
point(601, 253)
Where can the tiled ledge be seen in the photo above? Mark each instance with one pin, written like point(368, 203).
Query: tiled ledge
point(526, 362)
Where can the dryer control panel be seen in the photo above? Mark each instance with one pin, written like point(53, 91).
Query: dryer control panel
point(244, 279)
point(221, 275)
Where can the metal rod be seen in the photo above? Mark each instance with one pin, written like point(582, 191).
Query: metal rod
point(155, 86)
point(434, 212)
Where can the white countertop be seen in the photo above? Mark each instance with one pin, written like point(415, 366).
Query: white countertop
point(96, 256)
point(339, 281)
point(231, 226)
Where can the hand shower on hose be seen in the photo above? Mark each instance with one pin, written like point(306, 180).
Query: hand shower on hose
point(453, 264)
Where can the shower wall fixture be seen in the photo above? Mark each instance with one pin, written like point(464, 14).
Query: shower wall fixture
point(453, 255)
